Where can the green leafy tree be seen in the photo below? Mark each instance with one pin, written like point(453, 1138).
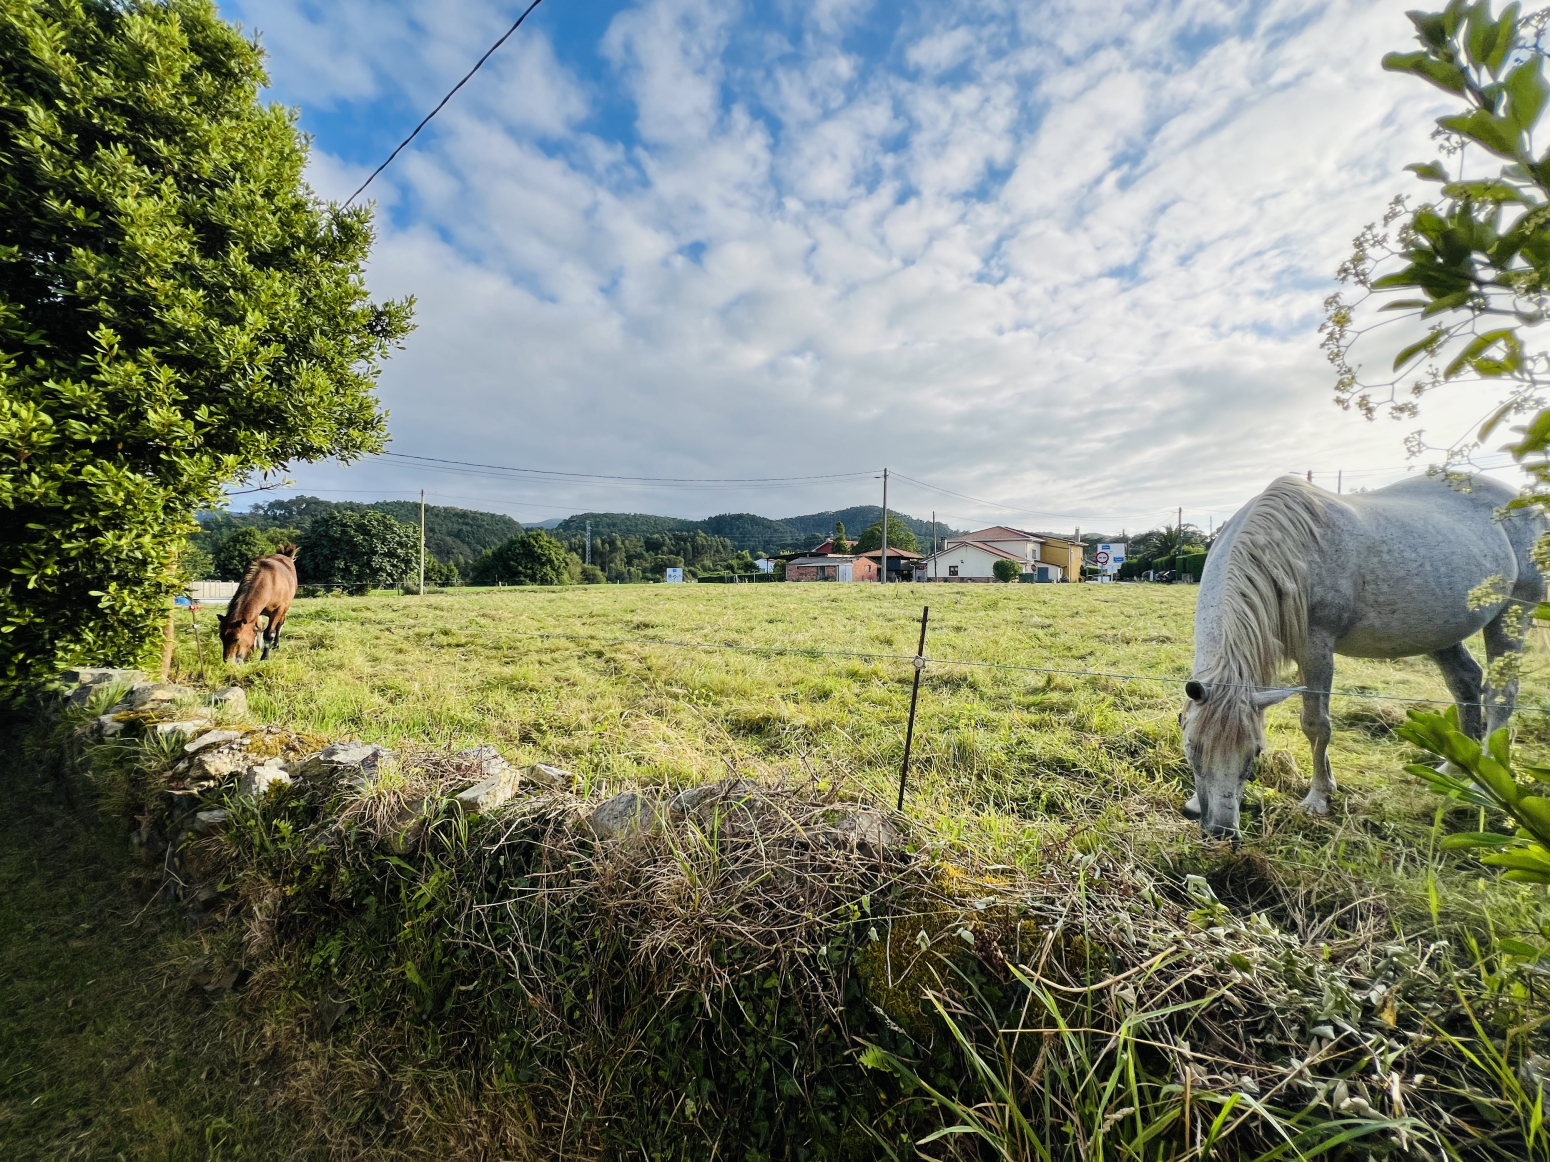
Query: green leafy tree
point(534, 558)
point(900, 536)
point(194, 564)
point(177, 312)
point(358, 551)
point(592, 575)
point(440, 574)
point(1467, 268)
point(236, 552)
point(1005, 570)
point(841, 545)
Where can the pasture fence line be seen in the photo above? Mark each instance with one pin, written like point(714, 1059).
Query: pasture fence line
point(876, 655)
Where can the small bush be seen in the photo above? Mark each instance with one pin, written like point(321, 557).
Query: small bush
point(1006, 570)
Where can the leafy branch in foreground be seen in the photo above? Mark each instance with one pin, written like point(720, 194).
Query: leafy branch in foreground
point(1472, 264)
point(1487, 779)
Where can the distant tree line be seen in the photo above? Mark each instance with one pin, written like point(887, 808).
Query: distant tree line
point(358, 546)
point(747, 532)
point(625, 558)
point(1169, 549)
point(453, 536)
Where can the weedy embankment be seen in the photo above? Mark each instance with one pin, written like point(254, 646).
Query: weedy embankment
point(772, 967)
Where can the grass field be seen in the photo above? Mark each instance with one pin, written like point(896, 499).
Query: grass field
point(1003, 759)
point(802, 685)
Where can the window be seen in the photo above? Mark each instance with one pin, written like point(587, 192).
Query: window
point(952, 570)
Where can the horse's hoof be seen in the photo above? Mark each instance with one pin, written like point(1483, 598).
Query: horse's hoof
point(1315, 805)
point(1192, 808)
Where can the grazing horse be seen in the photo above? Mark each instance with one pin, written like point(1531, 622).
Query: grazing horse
point(1300, 574)
point(268, 587)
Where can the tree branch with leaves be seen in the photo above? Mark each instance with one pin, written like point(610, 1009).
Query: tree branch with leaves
point(1471, 263)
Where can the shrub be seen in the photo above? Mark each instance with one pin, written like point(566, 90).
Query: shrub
point(592, 575)
point(534, 558)
point(358, 551)
point(1006, 570)
point(233, 555)
point(177, 311)
point(194, 563)
point(441, 574)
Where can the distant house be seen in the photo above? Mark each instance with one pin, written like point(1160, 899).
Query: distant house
point(901, 563)
point(823, 549)
point(831, 567)
point(972, 556)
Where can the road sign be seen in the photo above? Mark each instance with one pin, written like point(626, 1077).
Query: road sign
point(1111, 556)
point(675, 576)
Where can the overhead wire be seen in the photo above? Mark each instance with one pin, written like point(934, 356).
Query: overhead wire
point(402, 145)
point(549, 472)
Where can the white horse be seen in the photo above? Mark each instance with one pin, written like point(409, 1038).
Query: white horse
point(1300, 574)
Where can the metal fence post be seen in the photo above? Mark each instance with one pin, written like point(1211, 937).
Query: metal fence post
point(919, 663)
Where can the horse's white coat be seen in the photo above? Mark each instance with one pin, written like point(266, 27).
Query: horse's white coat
point(1300, 574)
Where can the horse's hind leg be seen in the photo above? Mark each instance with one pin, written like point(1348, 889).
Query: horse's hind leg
point(1318, 676)
point(1503, 640)
point(272, 634)
point(1462, 674)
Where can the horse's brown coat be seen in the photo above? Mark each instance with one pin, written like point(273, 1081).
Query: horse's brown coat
point(267, 589)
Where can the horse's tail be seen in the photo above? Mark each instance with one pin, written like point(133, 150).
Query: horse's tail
point(288, 549)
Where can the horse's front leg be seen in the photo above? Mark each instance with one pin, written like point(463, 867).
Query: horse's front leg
point(1318, 676)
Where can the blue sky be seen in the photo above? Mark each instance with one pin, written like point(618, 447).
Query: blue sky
point(1065, 256)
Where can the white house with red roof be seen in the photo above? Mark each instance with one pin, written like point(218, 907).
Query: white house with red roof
point(972, 556)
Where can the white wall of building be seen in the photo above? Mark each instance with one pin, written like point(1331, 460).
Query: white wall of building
point(966, 561)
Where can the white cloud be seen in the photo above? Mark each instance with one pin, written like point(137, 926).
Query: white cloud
point(1066, 258)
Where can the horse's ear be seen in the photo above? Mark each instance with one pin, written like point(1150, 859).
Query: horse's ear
point(1195, 691)
point(1265, 699)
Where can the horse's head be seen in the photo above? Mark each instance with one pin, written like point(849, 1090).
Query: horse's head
point(1224, 731)
point(237, 637)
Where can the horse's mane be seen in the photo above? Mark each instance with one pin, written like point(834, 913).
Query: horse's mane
point(1262, 607)
point(254, 566)
point(237, 605)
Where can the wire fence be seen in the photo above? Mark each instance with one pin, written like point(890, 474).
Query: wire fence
point(928, 659)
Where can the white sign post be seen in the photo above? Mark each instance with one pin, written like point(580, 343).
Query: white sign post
point(1110, 557)
point(675, 576)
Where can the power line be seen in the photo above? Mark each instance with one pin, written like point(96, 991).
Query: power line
point(477, 64)
point(1024, 511)
point(635, 479)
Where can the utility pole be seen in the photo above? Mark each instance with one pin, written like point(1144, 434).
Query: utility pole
point(1081, 554)
point(933, 542)
point(1310, 475)
point(1178, 548)
point(589, 542)
point(1340, 482)
point(422, 542)
point(883, 571)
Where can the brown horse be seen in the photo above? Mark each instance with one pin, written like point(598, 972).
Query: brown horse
point(269, 587)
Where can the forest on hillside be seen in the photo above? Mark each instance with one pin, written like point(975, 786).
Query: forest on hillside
point(746, 531)
point(626, 547)
point(454, 536)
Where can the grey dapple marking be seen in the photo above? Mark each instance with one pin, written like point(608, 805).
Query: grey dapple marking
point(1299, 575)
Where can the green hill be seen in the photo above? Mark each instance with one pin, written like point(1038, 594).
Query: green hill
point(458, 535)
point(746, 530)
point(452, 535)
